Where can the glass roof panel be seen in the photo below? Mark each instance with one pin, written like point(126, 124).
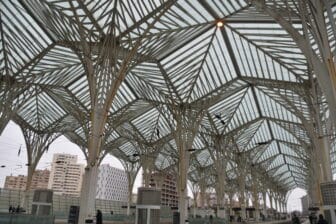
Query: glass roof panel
point(225, 109)
point(282, 171)
point(80, 90)
point(289, 99)
point(123, 97)
point(152, 78)
point(151, 125)
point(276, 42)
point(271, 108)
point(292, 150)
point(183, 66)
point(128, 149)
point(269, 152)
point(261, 137)
point(295, 129)
point(22, 38)
point(217, 67)
point(60, 66)
point(224, 8)
point(278, 161)
point(281, 134)
point(245, 139)
point(245, 112)
point(253, 62)
point(41, 111)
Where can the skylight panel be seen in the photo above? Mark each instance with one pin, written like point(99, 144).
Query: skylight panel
point(255, 62)
point(224, 8)
point(22, 38)
point(269, 153)
point(273, 109)
point(282, 134)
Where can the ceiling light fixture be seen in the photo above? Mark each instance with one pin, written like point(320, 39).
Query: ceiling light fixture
point(220, 23)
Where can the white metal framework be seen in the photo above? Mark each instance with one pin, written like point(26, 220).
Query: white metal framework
point(238, 89)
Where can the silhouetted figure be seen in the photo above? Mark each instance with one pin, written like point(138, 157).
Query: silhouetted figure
point(312, 218)
point(262, 216)
point(239, 219)
point(17, 209)
point(231, 218)
point(295, 219)
point(210, 219)
point(322, 220)
point(10, 209)
point(99, 217)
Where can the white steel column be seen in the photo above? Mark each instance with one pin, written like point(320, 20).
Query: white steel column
point(264, 206)
point(270, 196)
point(88, 193)
point(187, 122)
point(242, 194)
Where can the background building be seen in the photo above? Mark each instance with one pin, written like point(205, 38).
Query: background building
point(66, 175)
point(168, 187)
point(16, 182)
point(112, 184)
point(40, 181)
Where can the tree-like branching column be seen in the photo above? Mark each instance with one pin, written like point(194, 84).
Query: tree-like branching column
point(241, 161)
point(187, 123)
point(220, 161)
point(255, 191)
point(37, 144)
point(131, 168)
point(106, 55)
point(194, 186)
point(148, 151)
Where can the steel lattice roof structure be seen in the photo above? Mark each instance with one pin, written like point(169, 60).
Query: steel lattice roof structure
point(233, 59)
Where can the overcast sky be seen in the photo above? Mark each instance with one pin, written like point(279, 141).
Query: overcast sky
point(12, 139)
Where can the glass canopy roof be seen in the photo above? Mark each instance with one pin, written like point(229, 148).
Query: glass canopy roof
point(249, 75)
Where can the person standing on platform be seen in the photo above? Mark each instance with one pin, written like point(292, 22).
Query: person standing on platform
point(322, 220)
point(295, 219)
point(99, 217)
point(210, 219)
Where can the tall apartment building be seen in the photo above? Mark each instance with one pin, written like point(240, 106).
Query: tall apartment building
point(16, 182)
point(39, 181)
point(168, 187)
point(66, 175)
point(112, 184)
